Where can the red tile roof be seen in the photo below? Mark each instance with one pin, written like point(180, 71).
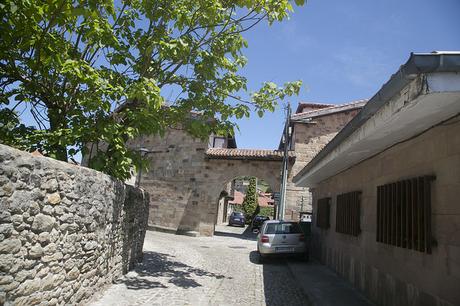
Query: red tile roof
point(312, 105)
point(264, 199)
point(238, 198)
point(246, 154)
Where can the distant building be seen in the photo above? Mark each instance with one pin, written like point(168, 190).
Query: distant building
point(233, 200)
point(386, 189)
point(312, 126)
point(264, 199)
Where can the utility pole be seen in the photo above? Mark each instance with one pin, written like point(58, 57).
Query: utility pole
point(284, 171)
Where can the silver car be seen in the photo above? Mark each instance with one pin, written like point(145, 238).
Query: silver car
point(280, 238)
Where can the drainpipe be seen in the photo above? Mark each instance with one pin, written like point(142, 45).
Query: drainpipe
point(284, 173)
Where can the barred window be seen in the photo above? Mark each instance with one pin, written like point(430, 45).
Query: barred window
point(348, 213)
point(323, 212)
point(404, 214)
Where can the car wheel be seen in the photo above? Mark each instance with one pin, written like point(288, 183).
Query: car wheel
point(261, 258)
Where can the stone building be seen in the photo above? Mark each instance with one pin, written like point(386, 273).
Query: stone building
point(189, 180)
point(265, 200)
point(188, 177)
point(312, 126)
point(385, 189)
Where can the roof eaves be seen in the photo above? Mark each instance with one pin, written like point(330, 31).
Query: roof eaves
point(417, 63)
point(301, 117)
point(312, 104)
point(247, 154)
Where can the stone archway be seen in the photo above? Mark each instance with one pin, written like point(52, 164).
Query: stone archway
point(186, 178)
point(223, 171)
point(221, 166)
point(221, 184)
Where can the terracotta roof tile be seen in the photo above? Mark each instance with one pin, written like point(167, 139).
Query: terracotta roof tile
point(251, 154)
point(263, 199)
point(316, 105)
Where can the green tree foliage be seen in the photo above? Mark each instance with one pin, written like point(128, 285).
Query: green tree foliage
point(251, 201)
point(266, 211)
point(98, 71)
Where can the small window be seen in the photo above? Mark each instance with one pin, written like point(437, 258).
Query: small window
point(404, 214)
point(323, 212)
point(348, 213)
point(218, 142)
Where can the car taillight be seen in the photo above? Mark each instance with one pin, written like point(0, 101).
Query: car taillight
point(264, 239)
point(302, 238)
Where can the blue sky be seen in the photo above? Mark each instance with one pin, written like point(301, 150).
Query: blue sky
point(342, 51)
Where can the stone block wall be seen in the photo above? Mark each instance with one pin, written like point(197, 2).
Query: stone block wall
point(308, 140)
point(184, 185)
point(65, 231)
point(176, 161)
point(387, 274)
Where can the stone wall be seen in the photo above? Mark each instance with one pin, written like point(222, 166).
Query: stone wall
point(309, 139)
point(175, 162)
point(65, 231)
point(387, 274)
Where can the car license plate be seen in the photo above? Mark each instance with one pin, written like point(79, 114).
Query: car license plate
point(237, 219)
point(284, 249)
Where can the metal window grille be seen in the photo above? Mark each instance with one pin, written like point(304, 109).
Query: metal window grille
point(404, 214)
point(348, 213)
point(323, 212)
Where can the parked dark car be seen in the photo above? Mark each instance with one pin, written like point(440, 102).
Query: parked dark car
point(237, 218)
point(258, 221)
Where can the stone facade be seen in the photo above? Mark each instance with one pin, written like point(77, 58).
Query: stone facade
point(392, 275)
point(307, 140)
point(185, 185)
point(65, 231)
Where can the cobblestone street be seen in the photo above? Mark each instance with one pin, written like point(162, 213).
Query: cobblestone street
point(219, 270)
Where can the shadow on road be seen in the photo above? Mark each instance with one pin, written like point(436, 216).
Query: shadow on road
point(246, 235)
point(280, 287)
point(164, 266)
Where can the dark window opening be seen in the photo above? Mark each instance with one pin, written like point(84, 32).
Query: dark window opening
point(348, 213)
point(323, 213)
point(404, 214)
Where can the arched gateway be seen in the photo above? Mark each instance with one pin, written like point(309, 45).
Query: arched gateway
point(186, 177)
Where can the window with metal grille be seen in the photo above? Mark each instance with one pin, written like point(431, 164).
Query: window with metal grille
point(322, 214)
point(404, 214)
point(348, 213)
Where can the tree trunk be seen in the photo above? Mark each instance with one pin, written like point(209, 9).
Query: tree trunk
point(57, 122)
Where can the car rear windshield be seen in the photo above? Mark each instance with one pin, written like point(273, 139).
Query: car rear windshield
point(283, 228)
point(238, 214)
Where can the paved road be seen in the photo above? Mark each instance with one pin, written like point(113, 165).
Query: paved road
point(219, 270)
